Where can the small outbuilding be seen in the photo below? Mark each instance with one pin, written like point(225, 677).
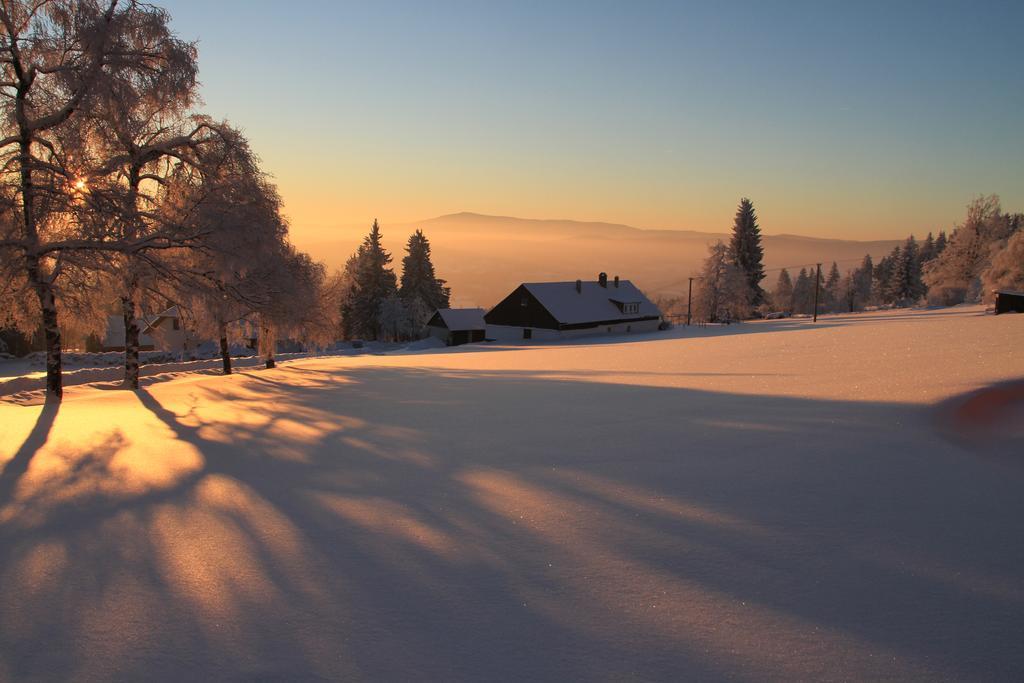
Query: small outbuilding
point(456, 326)
point(1008, 301)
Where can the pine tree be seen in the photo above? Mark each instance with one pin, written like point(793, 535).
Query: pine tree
point(421, 290)
point(833, 284)
point(849, 291)
point(782, 297)
point(881, 282)
point(862, 279)
point(940, 243)
point(803, 293)
point(373, 283)
point(745, 250)
point(927, 251)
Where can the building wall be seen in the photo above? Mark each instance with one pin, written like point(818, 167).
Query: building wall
point(514, 333)
point(166, 338)
point(438, 332)
point(520, 309)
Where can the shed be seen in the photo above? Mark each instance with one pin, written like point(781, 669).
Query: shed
point(456, 326)
point(1009, 301)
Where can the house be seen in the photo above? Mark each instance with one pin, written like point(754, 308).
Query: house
point(559, 310)
point(163, 332)
point(457, 326)
point(1008, 301)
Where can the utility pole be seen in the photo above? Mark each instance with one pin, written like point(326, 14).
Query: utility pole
point(817, 279)
point(689, 300)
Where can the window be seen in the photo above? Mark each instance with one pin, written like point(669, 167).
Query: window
point(631, 308)
point(524, 302)
point(629, 328)
point(175, 324)
point(527, 333)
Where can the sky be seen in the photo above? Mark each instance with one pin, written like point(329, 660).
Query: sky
point(856, 120)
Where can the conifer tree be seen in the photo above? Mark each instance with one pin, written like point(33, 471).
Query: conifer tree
point(421, 290)
point(927, 251)
point(745, 250)
point(862, 279)
point(881, 282)
point(782, 298)
point(803, 293)
point(373, 283)
point(833, 284)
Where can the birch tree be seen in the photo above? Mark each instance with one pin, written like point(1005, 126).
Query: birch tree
point(55, 57)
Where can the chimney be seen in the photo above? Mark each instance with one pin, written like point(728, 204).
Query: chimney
point(579, 286)
point(616, 282)
point(602, 280)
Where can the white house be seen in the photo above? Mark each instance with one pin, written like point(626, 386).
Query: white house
point(559, 310)
point(163, 332)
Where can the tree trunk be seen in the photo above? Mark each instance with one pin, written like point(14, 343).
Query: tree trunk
point(268, 342)
point(131, 344)
point(43, 287)
point(51, 332)
point(224, 352)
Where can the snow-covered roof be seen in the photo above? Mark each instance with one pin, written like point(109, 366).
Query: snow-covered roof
point(459, 319)
point(149, 322)
point(593, 303)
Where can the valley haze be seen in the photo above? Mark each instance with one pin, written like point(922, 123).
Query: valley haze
point(484, 257)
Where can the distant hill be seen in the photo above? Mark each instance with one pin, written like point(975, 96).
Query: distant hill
point(485, 257)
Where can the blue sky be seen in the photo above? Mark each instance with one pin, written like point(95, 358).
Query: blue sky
point(857, 120)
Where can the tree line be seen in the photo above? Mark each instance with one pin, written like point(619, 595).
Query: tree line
point(984, 253)
point(376, 305)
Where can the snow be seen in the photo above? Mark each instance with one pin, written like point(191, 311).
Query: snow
point(776, 500)
point(462, 319)
point(592, 304)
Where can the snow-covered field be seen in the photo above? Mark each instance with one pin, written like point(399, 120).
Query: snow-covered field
point(780, 500)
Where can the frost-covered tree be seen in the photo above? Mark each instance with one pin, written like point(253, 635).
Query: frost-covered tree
point(724, 293)
point(745, 250)
point(55, 59)
point(955, 275)
point(142, 131)
point(293, 303)
point(1007, 268)
point(421, 291)
point(234, 210)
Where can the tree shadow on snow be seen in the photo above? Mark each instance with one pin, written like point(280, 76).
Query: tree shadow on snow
point(16, 467)
point(396, 523)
